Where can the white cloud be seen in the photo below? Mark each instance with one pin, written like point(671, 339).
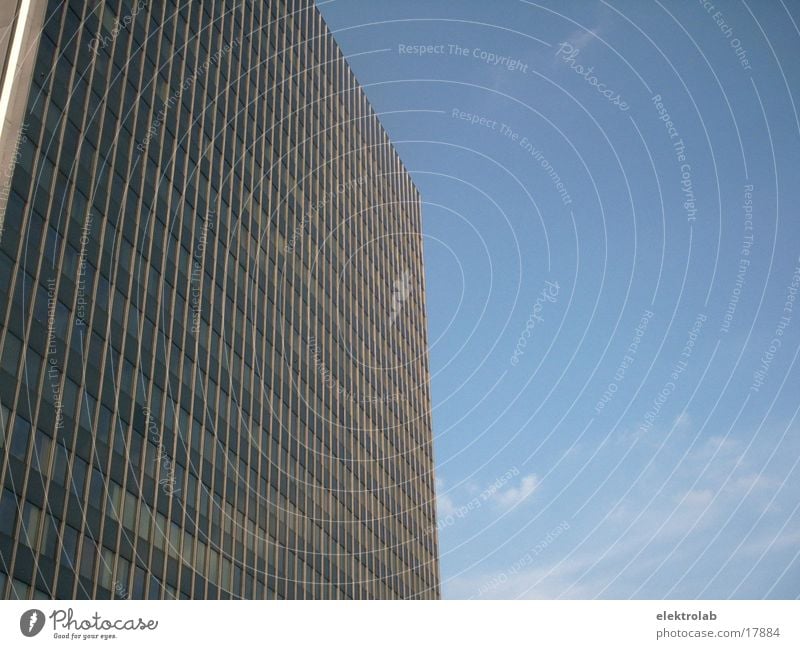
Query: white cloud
point(444, 503)
point(682, 422)
point(580, 38)
point(654, 541)
point(512, 496)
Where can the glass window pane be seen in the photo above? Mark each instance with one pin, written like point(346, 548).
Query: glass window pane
point(20, 437)
point(130, 511)
point(11, 353)
point(87, 558)
point(8, 512)
point(69, 545)
point(29, 535)
point(43, 446)
point(106, 568)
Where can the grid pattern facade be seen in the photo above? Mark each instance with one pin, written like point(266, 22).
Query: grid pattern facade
point(213, 355)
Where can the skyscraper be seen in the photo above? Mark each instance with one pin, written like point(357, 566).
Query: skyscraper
point(213, 355)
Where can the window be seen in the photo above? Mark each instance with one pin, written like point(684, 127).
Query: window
point(144, 524)
point(160, 532)
point(70, 264)
point(50, 539)
point(138, 583)
point(151, 460)
point(127, 376)
point(106, 568)
point(155, 588)
point(114, 505)
point(86, 406)
point(62, 318)
point(174, 548)
point(104, 424)
point(213, 567)
point(69, 546)
point(8, 512)
point(87, 558)
point(118, 310)
point(70, 394)
point(119, 441)
point(19, 589)
point(78, 476)
point(20, 437)
point(200, 564)
point(11, 353)
point(226, 573)
point(31, 518)
point(129, 515)
point(60, 466)
point(6, 267)
point(43, 446)
point(102, 293)
point(123, 573)
point(33, 363)
point(96, 488)
point(5, 413)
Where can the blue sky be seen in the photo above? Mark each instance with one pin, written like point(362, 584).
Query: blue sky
point(612, 254)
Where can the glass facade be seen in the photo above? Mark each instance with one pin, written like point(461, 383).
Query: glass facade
point(213, 357)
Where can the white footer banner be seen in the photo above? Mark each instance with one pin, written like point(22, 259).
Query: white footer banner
point(772, 624)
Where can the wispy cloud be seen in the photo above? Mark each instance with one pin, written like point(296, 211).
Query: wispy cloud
point(445, 506)
point(582, 38)
point(682, 423)
point(512, 496)
point(647, 544)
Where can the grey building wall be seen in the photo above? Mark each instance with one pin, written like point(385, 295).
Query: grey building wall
point(213, 355)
